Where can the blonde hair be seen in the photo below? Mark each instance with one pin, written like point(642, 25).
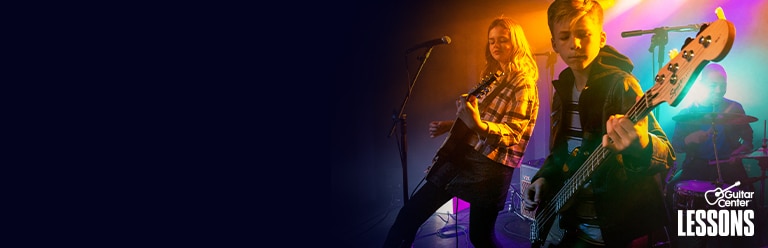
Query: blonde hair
point(572, 11)
point(522, 57)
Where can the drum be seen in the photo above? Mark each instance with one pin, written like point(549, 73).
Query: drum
point(691, 194)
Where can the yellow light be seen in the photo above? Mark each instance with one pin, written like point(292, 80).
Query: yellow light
point(719, 12)
point(673, 53)
point(606, 3)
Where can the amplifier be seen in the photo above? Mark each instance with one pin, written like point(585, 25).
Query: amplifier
point(527, 171)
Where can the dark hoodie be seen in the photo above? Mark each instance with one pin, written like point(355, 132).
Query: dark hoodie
point(627, 187)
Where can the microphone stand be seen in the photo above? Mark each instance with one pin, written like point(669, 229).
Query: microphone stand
point(551, 60)
point(762, 161)
point(400, 119)
point(659, 39)
point(719, 181)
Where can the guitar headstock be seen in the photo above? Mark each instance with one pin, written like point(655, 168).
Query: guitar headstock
point(712, 43)
point(482, 88)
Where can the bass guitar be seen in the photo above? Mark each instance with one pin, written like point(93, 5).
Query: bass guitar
point(712, 43)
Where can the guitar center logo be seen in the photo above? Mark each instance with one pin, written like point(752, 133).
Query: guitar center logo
point(727, 198)
point(721, 212)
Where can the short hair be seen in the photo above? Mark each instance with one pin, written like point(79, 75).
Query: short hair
point(715, 68)
point(572, 11)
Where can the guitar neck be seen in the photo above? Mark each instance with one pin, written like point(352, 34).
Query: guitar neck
point(712, 43)
point(640, 109)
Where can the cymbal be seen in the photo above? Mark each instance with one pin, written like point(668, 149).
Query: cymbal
point(760, 153)
point(707, 118)
point(752, 180)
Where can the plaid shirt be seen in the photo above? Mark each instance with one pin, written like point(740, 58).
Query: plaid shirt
point(510, 116)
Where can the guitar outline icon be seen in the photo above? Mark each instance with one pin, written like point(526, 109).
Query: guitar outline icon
point(718, 193)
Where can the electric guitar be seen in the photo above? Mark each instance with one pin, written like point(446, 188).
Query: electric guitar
point(712, 43)
point(457, 136)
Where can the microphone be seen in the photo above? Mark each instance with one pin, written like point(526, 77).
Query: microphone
point(430, 43)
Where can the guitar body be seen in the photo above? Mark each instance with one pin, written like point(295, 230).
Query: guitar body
point(456, 143)
point(712, 43)
point(456, 140)
point(554, 233)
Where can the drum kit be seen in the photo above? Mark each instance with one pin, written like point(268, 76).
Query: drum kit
point(690, 194)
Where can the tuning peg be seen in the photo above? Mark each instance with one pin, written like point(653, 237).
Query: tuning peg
point(703, 26)
point(689, 39)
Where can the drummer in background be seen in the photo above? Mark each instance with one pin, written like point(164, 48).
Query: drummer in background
point(695, 138)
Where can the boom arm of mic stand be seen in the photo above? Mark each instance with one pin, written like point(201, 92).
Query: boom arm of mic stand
point(400, 118)
point(410, 89)
point(659, 39)
point(686, 28)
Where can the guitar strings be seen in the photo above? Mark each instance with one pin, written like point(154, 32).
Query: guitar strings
point(582, 173)
point(635, 113)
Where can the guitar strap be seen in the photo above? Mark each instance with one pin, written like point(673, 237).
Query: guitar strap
point(438, 160)
point(489, 98)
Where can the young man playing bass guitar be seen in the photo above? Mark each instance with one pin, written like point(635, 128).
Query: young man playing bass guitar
point(622, 201)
